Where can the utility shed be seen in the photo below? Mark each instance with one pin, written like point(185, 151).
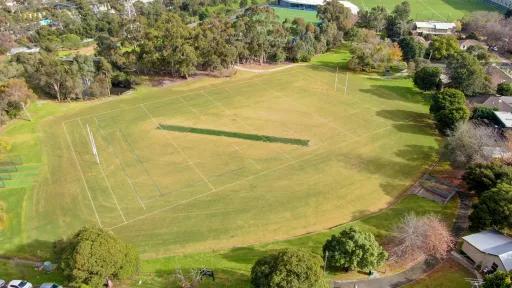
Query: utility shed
point(490, 250)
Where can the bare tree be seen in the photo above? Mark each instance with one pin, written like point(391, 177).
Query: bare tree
point(472, 143)
point(426, 236)
point(191, 281)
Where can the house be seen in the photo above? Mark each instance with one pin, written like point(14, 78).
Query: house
point(503, 103)
point(505, 118)
point(499, 73)
point(490, 250)
point(313, 4)
point(17, 50)
point(434, 28)
point(466, 43)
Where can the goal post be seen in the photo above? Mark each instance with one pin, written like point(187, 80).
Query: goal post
point(93, 144)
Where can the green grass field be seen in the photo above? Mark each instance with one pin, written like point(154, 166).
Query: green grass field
point(171, 193)
point(449, 274)
point(442, 10)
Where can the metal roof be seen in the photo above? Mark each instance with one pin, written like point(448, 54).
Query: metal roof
point(493, 243)
point(435, 25)
point(505, 118)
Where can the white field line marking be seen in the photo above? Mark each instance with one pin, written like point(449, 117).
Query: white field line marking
point(238, 118)
point(346, 85)
point(433, 10)
point(212, 86)
point(248, 178)
point(122, 167)
point(82, 176)
point(179, 149)
point(336, 80)
point(250, 160)
point(108, 183)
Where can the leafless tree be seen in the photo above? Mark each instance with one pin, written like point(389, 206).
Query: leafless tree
point(191, 281)
point(425, 236)
point(492, 26)
point(473, 143)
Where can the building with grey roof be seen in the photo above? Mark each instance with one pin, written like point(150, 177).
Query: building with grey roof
point(490, 250)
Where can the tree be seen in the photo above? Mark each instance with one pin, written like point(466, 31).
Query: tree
point(498, 279)
point(373, 19)
point(494, 209)
point(427, 78)
point(93, 254)
point(504, 89)
point(243, 3)
point(13, 94)
point(215, 51)
point(411, 48)
point(466, 144)
point(467, 74)
point(441, 47)
point(479, 52)
point(448, 108)
point(480, 177)
point(332, 11)
point(287, 269)
point(353, 249)
point(398, 22)
point(425, 236)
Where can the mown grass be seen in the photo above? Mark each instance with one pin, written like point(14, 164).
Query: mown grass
point(449, 274)
point(441, 10)
point(238, 135)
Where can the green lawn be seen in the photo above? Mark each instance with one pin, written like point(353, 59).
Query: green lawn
point(449, 274)
point(173, 193)
point(9, 270)
point(442, 10)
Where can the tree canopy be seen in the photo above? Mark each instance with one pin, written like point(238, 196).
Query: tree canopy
point(448, 108)
point(494, 209)
point(93, 254)
point(467, 74)
point(287, 269)
point(480, 177)
point(353, 249)
point(427, 78)
point(441, 47)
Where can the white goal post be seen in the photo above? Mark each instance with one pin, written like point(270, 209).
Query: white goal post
point(93, 145)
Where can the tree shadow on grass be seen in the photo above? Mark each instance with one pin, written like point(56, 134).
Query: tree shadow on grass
point(223, 278)
point(244, 255)
point(410, 122)
point(397, 93)
point(33, 250)
point(417, 153)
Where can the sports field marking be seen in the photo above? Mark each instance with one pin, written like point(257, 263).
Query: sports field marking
point(245, 179)
point(108, 182)
point(179, 149)
point(435, 11)
point(346, 85)
point(123, 169)
point(336, 80)
point(82, 175)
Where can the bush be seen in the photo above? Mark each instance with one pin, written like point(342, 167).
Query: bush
point(123, 80)
point(448, 108)
point(498, 279)
point(494, 210)
point(481, 177)
point(427, 78)
point(504, 89)
point(94, 254)
point(485, 113)
point(287, 269)
point(353, 249)
point(70, 41)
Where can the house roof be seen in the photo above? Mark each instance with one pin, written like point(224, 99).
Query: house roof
point(503, 103)
point(505, 118)
point(472, 42)
point(435, 25)
point(494, 243)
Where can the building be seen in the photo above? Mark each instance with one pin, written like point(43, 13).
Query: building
point(312, 4)
point(490, 250)
point(17, 50)
point(434, 28)
point(503, 3)
point(505, 118)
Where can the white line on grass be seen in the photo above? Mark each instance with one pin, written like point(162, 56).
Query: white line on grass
point(122, 168)
point(108, 183)
point(245, 179)
point(179, 149)
point(346, 85)
point(82, 176)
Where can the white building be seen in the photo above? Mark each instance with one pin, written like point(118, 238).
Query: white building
point(312, 4)
point(435, 28)
point(489, 249)
point(504, 3)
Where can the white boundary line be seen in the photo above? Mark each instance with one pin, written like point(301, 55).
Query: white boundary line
point(247, 178)
point(112, 150)
point(179, 149)
point(346, 85)
point(108, 183)
point(82, 175)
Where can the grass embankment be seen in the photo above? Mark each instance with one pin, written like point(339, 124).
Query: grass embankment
point(449, 274)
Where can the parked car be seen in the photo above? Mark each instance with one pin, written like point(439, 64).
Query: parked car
point(50, 285)
point(3, 284)
point(19, 284)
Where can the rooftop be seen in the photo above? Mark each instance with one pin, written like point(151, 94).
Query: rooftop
point(494, 243)
point(435, 25)
point(347, 4)
point(505, 118)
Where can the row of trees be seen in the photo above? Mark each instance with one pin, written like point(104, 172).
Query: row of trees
point(493, 26)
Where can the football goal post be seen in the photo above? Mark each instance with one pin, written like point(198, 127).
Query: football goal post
point(93, 145)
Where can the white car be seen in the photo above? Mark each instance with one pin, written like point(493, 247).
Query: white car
point(19, 284)
point(3, 284)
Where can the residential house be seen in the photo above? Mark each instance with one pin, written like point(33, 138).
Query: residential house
point(489, 250)
point(434, 28)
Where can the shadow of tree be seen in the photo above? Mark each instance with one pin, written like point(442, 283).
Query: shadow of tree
point(417, 153)
point(410, 122)
point(397, 93)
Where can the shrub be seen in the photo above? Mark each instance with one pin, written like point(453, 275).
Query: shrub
point(494, 210)
point(287, 269)
point(485, 113)
point(93, 254)
point(448, 108)
point(481, 177)
point(353, 249)
point(427, 78)
point(504, 89)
